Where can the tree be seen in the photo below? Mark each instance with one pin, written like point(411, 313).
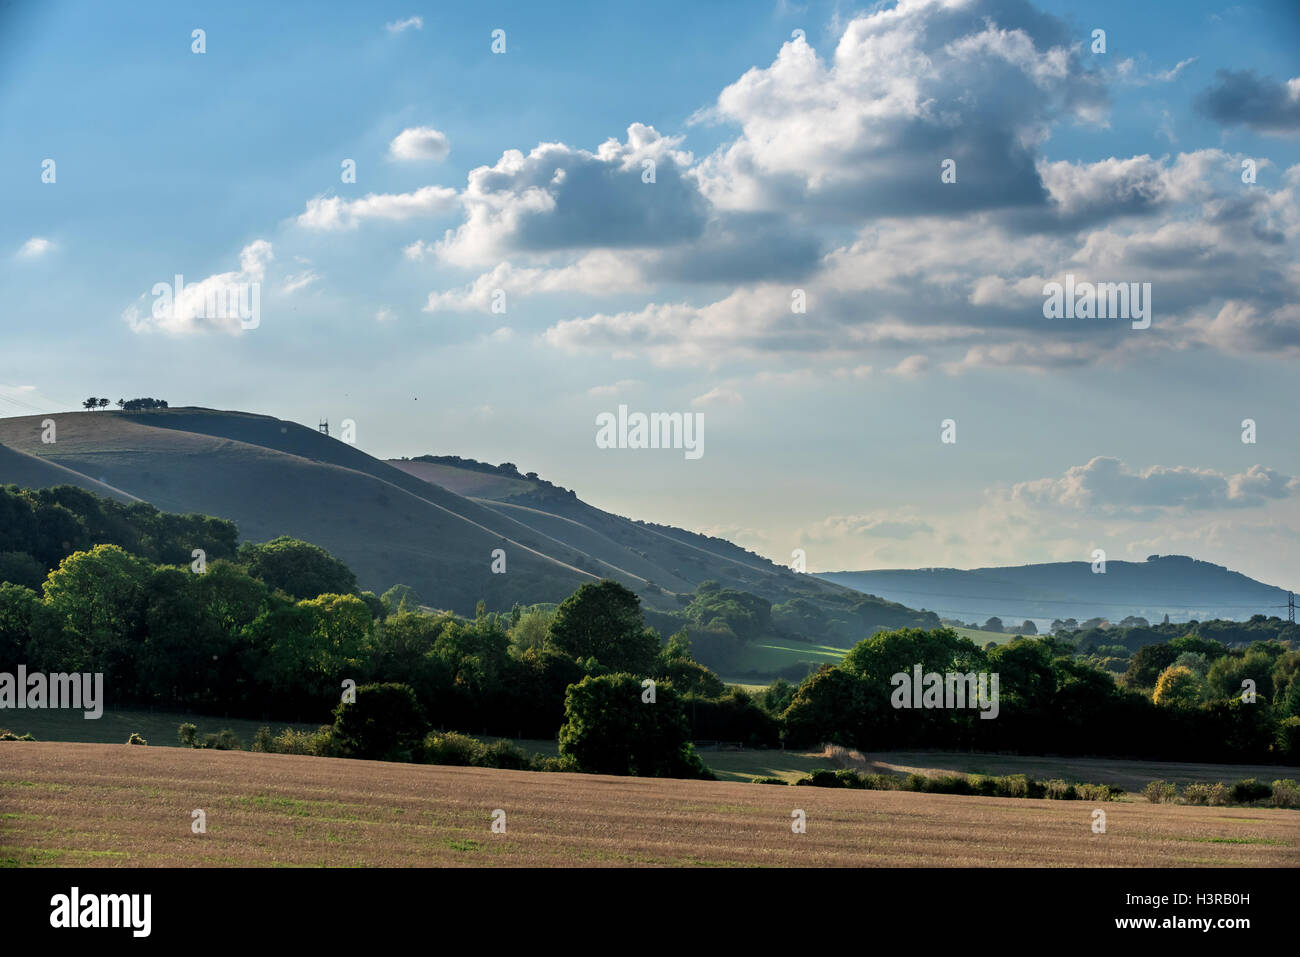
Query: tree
point(299, 569)
point(103, 403)
point(603, 620)
point(90, 403)
point(385, 723)
point(993, 624)
point(400, 598)
point(610, 729)
point(1028, 628)
point(1177, 687)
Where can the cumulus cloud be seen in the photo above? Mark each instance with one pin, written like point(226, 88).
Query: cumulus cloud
point(419, 143)
point(864, 131)
point(410, 23)
point(219, 303)
point(325, 213)
point(1261, 103)
point(598, 272)
point(1109, 486)
point(34, 248)
point(562, 198)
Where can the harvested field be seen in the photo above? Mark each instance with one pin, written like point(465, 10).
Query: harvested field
point(114, 805)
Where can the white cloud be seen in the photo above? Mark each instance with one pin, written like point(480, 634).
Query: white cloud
point(293, 283)
point(209, 305)
point(419, 143)
point(720, 396)
point(1109, 486)
point(410, 23)
point(334, 212)
point(35, 248)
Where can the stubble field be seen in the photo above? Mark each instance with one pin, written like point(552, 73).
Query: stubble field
point(116, 805)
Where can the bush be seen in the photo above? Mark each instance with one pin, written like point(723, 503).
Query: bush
point(1248, 791)
point(227, 740)
point(1094, 792)
point(544, 762)
point(188, 735)
point(949, 784)
point(1206, 794)
point(503, 754)
point(7, 735)
point(1286, 793)
point(136, 739)
point(849, 778)
point(767, 780)
point(318, 743)
point(1160, 792)
point(262, 740)
point(384, 723)
point(1058, 790)
point(449, 747)
point(822, 778)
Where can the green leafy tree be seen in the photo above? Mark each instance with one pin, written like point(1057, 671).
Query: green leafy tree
point(385, 723)
point(299, 569)
point(610, 729)
point(603, 620)
point(1177, 687)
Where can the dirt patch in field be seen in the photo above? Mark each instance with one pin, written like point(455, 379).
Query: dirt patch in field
point(114, 805)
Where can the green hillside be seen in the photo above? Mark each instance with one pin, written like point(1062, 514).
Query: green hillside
point(390, 524)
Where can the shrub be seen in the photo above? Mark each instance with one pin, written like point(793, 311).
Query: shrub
point(449, 747)
point(227, 740)
point(136, 739)
point(7, 735)
point(1160, 792)
point(949, 784)
point(385, 722)
point(292, 741)
point(822, 778)
point(1058, 790)
point(1286, 793)
point(545, 762)
point(914, 782)
point(1196, 793)
point(1094, 792)
point(188, 735)
point(503, 754)
point(262, 740)
point(1249, 790)
point(850, 778)
point(767, 780)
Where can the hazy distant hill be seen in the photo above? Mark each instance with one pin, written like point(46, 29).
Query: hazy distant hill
point(390, 524)
point(1176, 585)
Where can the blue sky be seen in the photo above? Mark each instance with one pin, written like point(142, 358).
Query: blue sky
point(781, 163)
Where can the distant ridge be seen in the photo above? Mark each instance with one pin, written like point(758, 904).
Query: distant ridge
point(1181, 587)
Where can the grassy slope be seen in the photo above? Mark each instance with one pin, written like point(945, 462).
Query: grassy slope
point(426, 537)
point(114, 805)
point(274, 477)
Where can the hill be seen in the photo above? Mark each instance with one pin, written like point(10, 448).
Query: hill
point(1175, 585)
point(390, 524)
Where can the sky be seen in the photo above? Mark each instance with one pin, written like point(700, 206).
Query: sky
point(830, 230)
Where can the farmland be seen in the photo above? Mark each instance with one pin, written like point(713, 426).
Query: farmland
point(87, 804)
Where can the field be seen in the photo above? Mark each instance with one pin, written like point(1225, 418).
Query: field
point(115, 726)
point(114, 805)
point(982, 638)
point(769, 657)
